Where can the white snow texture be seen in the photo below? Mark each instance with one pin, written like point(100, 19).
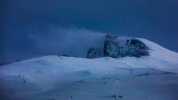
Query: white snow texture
point(153, 77)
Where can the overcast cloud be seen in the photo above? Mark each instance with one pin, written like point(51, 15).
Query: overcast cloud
point(27, 27)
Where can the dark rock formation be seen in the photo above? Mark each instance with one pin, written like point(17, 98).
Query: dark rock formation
point(95, 53)
point(115, 47)
point(136, 48)
point(120, 47)
point(91, 53)
point(111, 47)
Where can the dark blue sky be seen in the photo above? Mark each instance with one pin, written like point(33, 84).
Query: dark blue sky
point(156, 20)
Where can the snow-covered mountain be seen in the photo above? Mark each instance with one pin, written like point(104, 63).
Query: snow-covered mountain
point(126, 76)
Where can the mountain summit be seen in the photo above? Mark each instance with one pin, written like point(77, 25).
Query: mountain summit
point(121, 69)
point(115, 47)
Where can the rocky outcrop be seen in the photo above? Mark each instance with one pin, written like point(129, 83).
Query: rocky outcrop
point(95, 53)
point(111, 47)
point(120, 47)
point(91, 53)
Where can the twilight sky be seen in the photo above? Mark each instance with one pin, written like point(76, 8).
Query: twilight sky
point(27, 27)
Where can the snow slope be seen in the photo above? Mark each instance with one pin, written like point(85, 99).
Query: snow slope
point(153, 77)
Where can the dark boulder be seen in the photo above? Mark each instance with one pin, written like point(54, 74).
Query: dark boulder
point(95, 53)
point(91, 53)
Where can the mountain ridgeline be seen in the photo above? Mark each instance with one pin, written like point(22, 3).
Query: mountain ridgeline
point(117, 47)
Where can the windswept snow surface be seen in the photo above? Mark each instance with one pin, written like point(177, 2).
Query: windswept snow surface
point(153, 77)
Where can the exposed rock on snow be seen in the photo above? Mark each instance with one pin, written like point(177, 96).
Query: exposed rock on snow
point(116, 47)
point(95, 53)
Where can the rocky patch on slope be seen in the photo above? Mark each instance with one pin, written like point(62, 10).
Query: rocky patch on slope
point(116, 47)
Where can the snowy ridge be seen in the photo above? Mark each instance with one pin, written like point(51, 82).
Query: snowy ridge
point(71, 78)
point(160, 52)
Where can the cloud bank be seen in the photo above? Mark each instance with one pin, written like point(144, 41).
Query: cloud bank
point(57, 41)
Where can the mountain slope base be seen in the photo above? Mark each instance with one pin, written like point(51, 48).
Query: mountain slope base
point(68, 78)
